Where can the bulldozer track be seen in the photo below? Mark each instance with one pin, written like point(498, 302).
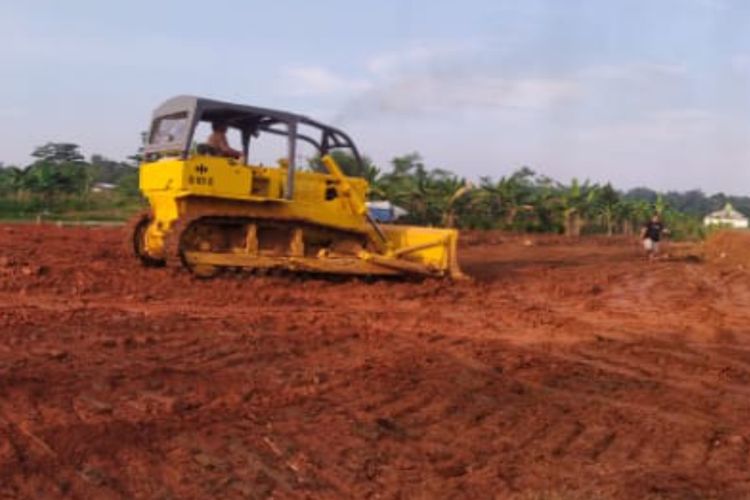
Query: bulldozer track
point(175, 247)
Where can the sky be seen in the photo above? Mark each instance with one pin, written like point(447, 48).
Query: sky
point(637, 92)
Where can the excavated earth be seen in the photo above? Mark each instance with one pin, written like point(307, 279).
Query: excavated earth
point(563, 370)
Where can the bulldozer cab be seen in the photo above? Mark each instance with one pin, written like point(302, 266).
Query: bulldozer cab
point(175, 122)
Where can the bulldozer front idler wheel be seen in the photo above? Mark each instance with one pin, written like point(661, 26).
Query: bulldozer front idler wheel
point(176, 245)
point(137, 231)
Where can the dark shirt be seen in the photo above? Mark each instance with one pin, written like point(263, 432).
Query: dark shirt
point(654, 230)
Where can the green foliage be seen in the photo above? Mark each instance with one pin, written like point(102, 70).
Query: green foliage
point(58, 153)
point(127, 185)
point(523, 201)
point(11, 180)
point(693, 202)
point(427, 195)
point(60, 182)
point(49, 179)
point(110, 171)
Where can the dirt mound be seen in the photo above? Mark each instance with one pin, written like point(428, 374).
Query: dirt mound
point(566, 369)
point(729, 247)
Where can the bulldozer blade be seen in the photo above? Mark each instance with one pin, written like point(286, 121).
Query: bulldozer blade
point(433, 250)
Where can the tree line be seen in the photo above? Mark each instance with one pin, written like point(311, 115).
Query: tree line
point(60, 178)
point(526, 201)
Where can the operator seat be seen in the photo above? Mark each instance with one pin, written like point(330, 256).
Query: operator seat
point(204, 149)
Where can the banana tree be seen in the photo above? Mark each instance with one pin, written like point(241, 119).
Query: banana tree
point(428, 195)
point(547, 204)
point(509, 195)
point(577, 202)
point(624, 213)
point(660, 205)
point(638, 212)
point(606, 204)
point(449, 215)
point(11, 180)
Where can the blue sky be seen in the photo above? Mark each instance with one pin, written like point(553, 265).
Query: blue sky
point(639, 92)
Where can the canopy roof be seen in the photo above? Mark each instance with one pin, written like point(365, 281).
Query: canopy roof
point(213, 110)
point(250, 120)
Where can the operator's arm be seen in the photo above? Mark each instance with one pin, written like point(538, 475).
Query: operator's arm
point(226, 149)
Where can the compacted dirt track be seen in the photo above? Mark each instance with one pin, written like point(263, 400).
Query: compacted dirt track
point(564, 370)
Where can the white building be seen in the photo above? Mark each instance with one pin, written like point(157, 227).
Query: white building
point(727, 217)
point(101, 187)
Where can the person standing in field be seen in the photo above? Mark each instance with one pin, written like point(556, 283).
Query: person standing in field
point(651, 235)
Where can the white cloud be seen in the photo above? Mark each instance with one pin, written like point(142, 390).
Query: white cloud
point(446, 92)
point(634, 72)
point(380, 70)
point(451, 76)
point(589, 112)
point(466, 75)
point(317, 80)
point(419, 55)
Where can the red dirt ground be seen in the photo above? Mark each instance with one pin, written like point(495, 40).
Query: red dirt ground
point(729, 247)
point(563, 371)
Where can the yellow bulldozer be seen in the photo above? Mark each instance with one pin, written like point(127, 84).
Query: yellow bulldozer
point(211, 211)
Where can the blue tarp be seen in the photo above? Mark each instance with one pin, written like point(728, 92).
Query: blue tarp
point(384, 211)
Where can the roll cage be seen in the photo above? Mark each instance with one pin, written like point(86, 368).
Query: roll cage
point(174, 122)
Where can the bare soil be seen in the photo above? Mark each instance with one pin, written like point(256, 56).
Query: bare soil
point(729, 247)
point(563, 370)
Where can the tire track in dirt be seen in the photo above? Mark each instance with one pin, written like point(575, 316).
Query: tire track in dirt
point(569, 369)
point(558, 439)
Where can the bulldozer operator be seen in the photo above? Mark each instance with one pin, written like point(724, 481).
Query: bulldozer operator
point(219, 143)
